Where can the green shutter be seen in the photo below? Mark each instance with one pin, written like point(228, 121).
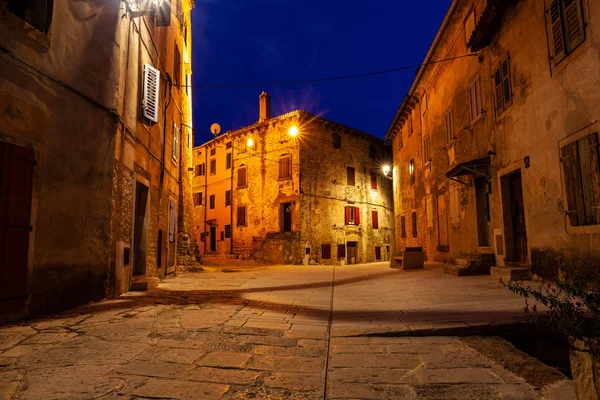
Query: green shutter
point(573, 24)
point(558, 42)
point(498, 93)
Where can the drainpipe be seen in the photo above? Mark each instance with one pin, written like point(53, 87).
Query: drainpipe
point(231, 202)
point(205, 193)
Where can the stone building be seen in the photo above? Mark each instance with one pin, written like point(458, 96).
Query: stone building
point(95, 146)
point(292, 186)
point(496, 149)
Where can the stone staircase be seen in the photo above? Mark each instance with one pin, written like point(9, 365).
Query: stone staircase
point(512, 271)
point(478, 263)
point(143, 283)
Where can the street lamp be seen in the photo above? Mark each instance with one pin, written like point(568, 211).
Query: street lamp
point(386, 169)
point(293, 132)
point(250, 142)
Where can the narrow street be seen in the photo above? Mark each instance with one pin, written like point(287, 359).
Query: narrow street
point(280, 332)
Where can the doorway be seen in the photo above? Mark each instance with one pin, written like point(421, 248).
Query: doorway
point(140, 233)
point(514, 218)
point(286, 217)
point(442, 218)
point(16, 190)
point(213, 238)
point(483, 211)
point(352, 250)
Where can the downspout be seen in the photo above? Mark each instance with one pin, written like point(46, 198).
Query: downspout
point(205, 193)
point(231, 202)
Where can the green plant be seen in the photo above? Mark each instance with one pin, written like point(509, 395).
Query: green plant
point(571, 304)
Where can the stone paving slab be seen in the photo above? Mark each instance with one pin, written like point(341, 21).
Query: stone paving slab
point(272, 334)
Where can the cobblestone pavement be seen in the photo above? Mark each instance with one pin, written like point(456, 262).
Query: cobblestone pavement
point(274, 333)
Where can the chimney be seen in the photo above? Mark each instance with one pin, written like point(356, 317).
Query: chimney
point(265, 107)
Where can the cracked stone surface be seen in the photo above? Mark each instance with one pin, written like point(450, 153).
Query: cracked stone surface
point(272, 333)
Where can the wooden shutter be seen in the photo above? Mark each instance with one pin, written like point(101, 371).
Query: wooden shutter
point(356, 215)
point(573, 20)
point(375, 217)
point(558, 42)
point(594, 160)
point(506, 89)
point(151, 87)
point(573, 187)
point(241, 217)
point(347, 215)
point(403, 226)
point(175, 152)
point(227, 198)
point(590, 178)
point(414, 225)
point(16, 188)
point(373, 180)
point(341, 250)
point(499, 97)
point(163, 13)
point(242, 177)
point(228, 161)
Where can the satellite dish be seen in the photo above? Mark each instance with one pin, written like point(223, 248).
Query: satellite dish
point(215, 129)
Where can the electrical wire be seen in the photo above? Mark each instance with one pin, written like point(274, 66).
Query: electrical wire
point(335, 78)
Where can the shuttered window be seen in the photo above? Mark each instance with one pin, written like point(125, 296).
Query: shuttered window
point(242, 182)
point(241, 216)
point(227, 198)
point(198, 199)
point(227, 231)
point(475, 103)
point(213, 167)
point(285, 167)
point(212, 202)
point(414, 224)
point(581, 172)
point(350, 176)
point(403, 227)
point(151, 87)
point(567, 27)
point(177, 67)
point(449, 126)
point(502, 86)
point(352, 215)
point(228, 161)
point(326, 251)
point(200, 170)
point(374, 180)
point(375, 219)
point(175, 149)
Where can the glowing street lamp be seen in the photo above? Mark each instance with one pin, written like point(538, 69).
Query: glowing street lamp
point(250, 142)
point(293, 132)
point(386, 170)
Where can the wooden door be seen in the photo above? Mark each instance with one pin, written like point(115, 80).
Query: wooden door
point(213, 238)
point(352, 257)
point(518, 218)
point(16, 187)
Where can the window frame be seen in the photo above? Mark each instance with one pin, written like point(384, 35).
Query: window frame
point(323, 252)
point(244, 169)
point(227, 230)
point(212, 201)
point(228, 161)
point(241, 212)
point(351, 215)
point(285, 171)
point(374, 184)
point(559, 28)
point(349, 169)
point(502, 83)
point(228, 198)
point(375, 219)
point(213, 166)
point(475, 100)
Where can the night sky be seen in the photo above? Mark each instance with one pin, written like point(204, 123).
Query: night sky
point(253, 41)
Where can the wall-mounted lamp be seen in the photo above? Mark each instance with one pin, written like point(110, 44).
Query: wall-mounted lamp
point(293, 132)
point(250, 142)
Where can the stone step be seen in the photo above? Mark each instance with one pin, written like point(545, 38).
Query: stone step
point(467, 261)
point(141, 284)
point(456, 270)
point(510, 273)
point(484, 257)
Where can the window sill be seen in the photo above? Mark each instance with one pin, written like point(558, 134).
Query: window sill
point(242, 187)
point(476, 120)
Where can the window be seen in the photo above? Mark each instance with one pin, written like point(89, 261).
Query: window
point(213, 166)
point(414, 224)
point(374, 180)
point(337, 140)
point(378, 253)
point(502, 87)
point(177, 67)
point(449, 126)
point(411, 171)
point(352, 215)
point(286, 217)
point(228, 145)
point(475, 99)
point(213, 152)
point(227, 231)
point(198, 199)
point(228, 161)
point(285, 167)
point(341, 250)
point(325, 251)
point(37, 13)
point(200, 170)
point(567, 28)
point(151, 93)
point(350, 176)
point(227, 198)
point(403, 227)
point(163, 13)
point(375, 219)
point(242, 177)
point(175, 150)
point(241, 216)
point(212, 202)
point(581, 170)
point(469, 26)
point(426, 156)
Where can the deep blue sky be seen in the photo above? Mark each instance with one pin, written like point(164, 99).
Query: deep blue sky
point(248, 41)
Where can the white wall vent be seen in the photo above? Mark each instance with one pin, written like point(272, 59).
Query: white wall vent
point(151, 87)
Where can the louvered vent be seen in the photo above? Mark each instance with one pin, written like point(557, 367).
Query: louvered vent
point(151, 86)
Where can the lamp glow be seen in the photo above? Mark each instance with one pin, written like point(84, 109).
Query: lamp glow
point(293, 132)
point(250, 142)
point(386, 170)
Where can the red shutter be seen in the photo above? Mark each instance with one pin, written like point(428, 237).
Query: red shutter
point(347, 214)
point(375, 220)
point(356, 215)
